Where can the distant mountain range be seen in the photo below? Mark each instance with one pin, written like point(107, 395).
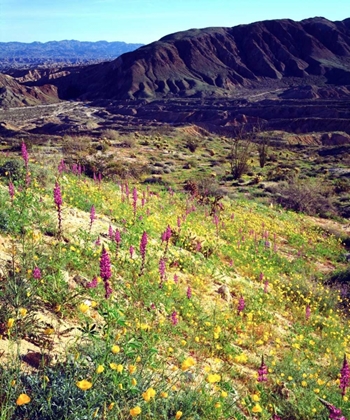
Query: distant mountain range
point(288, 74)
point(25, 55)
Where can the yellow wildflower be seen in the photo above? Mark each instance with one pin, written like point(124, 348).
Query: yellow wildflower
point(83, 307)
point(135, 411)
point(132, 369)
point(257, 408)
point(188, 363)
point(10, 322)
point(111, 405)
point(255, 398)
point(22, 312)
point(148, 394)
point(100, 369)
point(164, 394)
point(212, 378)
point(115, 349)
point(133, 382)
point(178, 415)
point(23, 399)
point(84, 385)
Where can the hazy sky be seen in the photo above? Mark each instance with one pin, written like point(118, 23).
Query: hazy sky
point(145, 21)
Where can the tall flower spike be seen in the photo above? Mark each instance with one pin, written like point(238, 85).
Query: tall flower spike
point(105, 265)
point(307, 312)
point(24, 154)
point(134, 201)
point(92, 216)
point(241, 304)
point(174, 319)
point(262, 371)
point(334, 412)
point(162, 269)
point(143, 244)
point(57, 196)
point(344, 376)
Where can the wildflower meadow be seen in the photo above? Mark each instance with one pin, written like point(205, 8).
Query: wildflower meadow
point(121, 300)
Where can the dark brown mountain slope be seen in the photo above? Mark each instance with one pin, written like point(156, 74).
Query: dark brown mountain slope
point(219, 61)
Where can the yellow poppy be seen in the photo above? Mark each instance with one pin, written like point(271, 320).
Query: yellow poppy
point(23, 399)
point(84, 385)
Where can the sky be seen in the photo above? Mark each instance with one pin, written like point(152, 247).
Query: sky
point(145, 21)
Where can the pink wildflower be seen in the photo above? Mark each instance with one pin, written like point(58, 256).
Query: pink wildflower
point(174, 319)
point(92, 284)
point(37, 273)
point(262, 371)
point(344, 376)
point(105, 265)
point(241, 304)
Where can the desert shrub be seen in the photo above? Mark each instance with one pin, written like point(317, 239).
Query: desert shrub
point(12, 168)
point(192, 144)
point(342, 185)
point(76, 146)
point(306, 196)
point(110, 134)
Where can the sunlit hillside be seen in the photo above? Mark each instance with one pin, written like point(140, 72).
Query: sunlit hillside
point(122, 300)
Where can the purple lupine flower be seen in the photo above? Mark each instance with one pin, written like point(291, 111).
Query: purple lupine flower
point(117, 237)
point(261, 276)
point(105, 265)
point(262, 371)
point(11, 190)
point(307, 312)
point(275, 417)
point(92, 216)
point(92, 284)
point(198, 246)
point(37, 273)
point(344, 376)
point(98, 241)
point(174, 319)
point(24, 154)
point(110, 232)
point(127, 191)
point(176, 278)
point(108, 289)
point(134, 200)
point(61, 167)
point(241, 304)
point(266, 286)
point(57, 195)
point(143, 245)
point(334, 412)
point(162, 269)
point(166, 235)
point(131, 251)
point(189, 292)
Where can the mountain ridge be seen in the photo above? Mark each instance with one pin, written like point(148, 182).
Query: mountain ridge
point(24, 55)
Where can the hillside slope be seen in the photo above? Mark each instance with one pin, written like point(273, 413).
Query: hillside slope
point(218, 61)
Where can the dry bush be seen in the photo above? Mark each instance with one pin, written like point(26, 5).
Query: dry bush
point(76, 146)
point(307, 196)
point(110, 134)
